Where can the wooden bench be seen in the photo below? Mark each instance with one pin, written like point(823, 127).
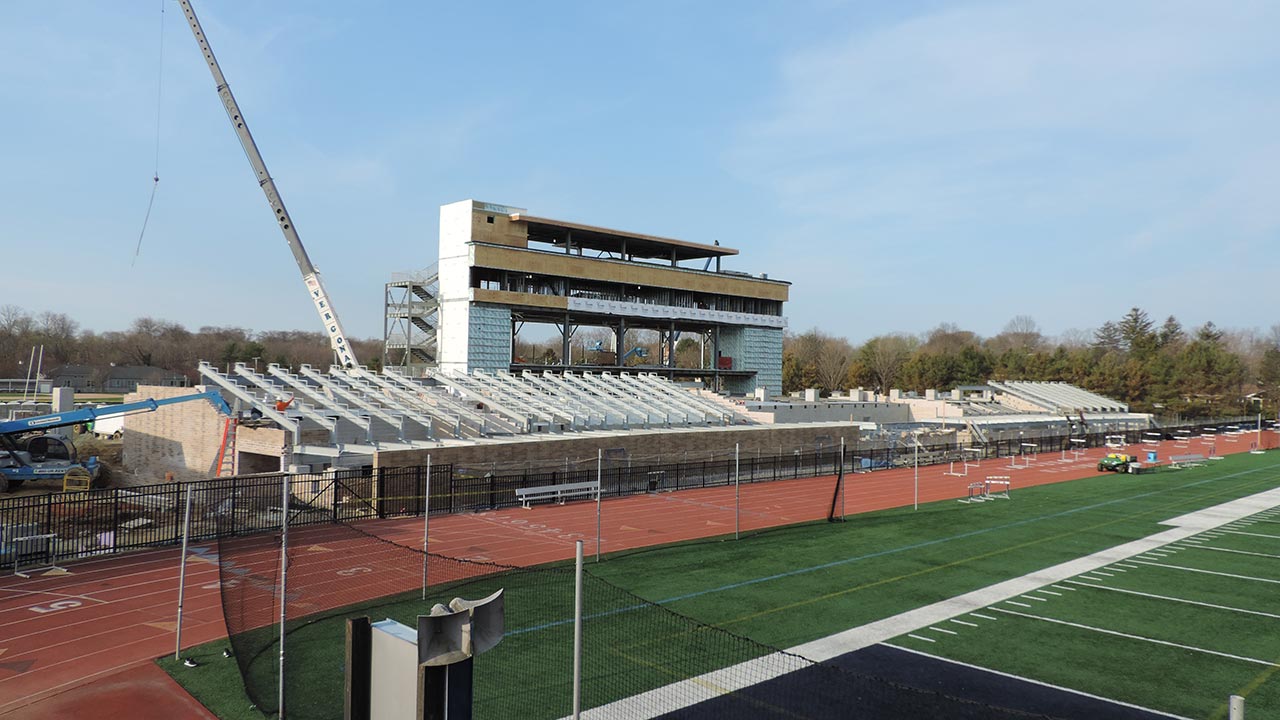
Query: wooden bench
point(1185, 461)
point(559, 493)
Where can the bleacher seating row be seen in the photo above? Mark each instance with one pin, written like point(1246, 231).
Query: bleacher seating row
point(363, 409)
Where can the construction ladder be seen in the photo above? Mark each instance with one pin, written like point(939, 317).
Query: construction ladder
point(227, 450)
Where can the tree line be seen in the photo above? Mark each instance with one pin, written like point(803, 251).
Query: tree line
point(1155, 367)
point(157, 343)
point(1162, 368)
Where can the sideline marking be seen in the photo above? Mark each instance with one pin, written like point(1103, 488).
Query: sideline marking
point(1179, 600)
point(1128, 636)
point(1033, 681)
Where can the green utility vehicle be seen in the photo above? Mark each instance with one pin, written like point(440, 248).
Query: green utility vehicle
point(1118, 462)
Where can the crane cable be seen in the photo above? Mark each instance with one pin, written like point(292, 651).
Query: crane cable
point(155, 176)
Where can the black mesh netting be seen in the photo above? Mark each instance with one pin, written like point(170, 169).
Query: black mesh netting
point(638, 657)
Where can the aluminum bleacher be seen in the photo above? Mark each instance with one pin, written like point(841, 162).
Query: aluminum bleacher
point(358, 410)
point(1056, 397)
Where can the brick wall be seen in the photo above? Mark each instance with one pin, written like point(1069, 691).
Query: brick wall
point(182, 439)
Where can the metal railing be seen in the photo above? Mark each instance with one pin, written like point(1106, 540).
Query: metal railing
point(100, 522)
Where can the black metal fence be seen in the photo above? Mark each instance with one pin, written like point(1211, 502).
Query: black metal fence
point(77, 525)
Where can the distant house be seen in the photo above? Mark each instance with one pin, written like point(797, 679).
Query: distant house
point(127, 378)
point(122, 379)
point(80, 378)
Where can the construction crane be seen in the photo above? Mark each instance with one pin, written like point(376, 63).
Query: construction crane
point(315, 288)
point(29, 452)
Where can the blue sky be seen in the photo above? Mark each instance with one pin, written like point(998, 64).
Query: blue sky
point(903, 164)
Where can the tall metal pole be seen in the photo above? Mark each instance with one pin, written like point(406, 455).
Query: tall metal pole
point(916, 502)
point(182, 574)
point(577, 631)
point(31, 366)
point(284, 570)
point(842, 484)
point(426, 514)
point(737, 494)
point(599, 492)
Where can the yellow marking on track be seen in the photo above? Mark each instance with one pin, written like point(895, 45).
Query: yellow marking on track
point(318, 548)
point(55, 572)
point(166, 626)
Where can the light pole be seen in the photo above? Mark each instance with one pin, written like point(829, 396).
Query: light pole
point(915, 441)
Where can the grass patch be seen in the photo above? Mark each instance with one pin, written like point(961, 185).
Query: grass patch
point(783, 588)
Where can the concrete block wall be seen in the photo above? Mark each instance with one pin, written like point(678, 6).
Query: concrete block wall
point(182, 439)
point(669, 443)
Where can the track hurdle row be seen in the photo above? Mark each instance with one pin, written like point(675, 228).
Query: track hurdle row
point(995, 487)
point(964, 463)
point(1026, 453)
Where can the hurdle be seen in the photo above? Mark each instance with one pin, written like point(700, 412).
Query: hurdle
point(995, 487)
point(998, 487)
point(965, 464)
point(20, 548)
point(1024, 455)
point(1182, 439)
point(1115, 442)
point(1079, 446)
point(1151, 440)
point(977, 493)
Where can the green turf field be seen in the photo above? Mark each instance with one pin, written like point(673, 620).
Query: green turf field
point(1178, 629)
point(873, 566)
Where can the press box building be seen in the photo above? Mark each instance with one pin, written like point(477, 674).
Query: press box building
point(500, 267)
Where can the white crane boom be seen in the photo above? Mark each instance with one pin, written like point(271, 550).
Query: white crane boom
point(315, 288)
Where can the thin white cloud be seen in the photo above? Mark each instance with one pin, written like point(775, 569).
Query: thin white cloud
point(986, 133)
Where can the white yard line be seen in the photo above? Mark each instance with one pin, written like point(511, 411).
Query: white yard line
point(1177, 600)
point(688, 692)
point(1241, 532)
point(1040, 683)
point(1129, 636)
point(1213, 572)
point(1240, 552)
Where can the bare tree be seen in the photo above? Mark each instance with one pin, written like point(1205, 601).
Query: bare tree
point(1020, 333)
point(834, 359)
point(948, 339)
point(884, 356)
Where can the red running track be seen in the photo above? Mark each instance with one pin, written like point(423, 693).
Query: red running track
point(80, 644)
